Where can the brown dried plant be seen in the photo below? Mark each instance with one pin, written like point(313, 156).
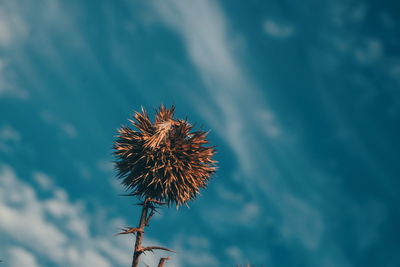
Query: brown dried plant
point(161, 162)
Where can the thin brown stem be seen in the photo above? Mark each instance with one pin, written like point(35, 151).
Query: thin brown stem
point(161, 262)
point(149, 217)
point(139, 235)
point(145, 217)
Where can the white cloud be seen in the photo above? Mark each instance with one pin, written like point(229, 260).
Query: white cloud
point(92, 258)
point(58, 230)
point(54, 228)
point(14, 220)
point(71, 214)
point(43, 180)
point(18, 257)
point(12, 28)
point(277, 30)
point(115, 252)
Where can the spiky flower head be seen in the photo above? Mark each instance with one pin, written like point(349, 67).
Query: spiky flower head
point(165, 160)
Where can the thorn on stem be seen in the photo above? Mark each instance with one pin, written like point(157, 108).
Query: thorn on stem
point(155, 201)
point(128, 195)
point(144, 249)
point(130, 230)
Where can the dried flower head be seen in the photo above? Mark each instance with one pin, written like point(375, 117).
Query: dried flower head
point(165, 160)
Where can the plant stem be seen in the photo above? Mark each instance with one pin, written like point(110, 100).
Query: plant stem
point(139, 235)
point(161, 262)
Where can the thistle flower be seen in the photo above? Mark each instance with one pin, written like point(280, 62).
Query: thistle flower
point(166, 160)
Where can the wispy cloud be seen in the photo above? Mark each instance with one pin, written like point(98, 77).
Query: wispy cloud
point(68, 129)
point(235, 253)
point(193, 251)
point(13, 31)
point(8, 133)
point(13, 28)
point(344, 12)
point(8, 87)
point(302, 222)
point(236, 103)
point(44, 181)
point(370, 51)
point(278, 30)
point(9, 137)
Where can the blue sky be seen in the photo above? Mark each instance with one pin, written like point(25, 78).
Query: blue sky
point(302, 100)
